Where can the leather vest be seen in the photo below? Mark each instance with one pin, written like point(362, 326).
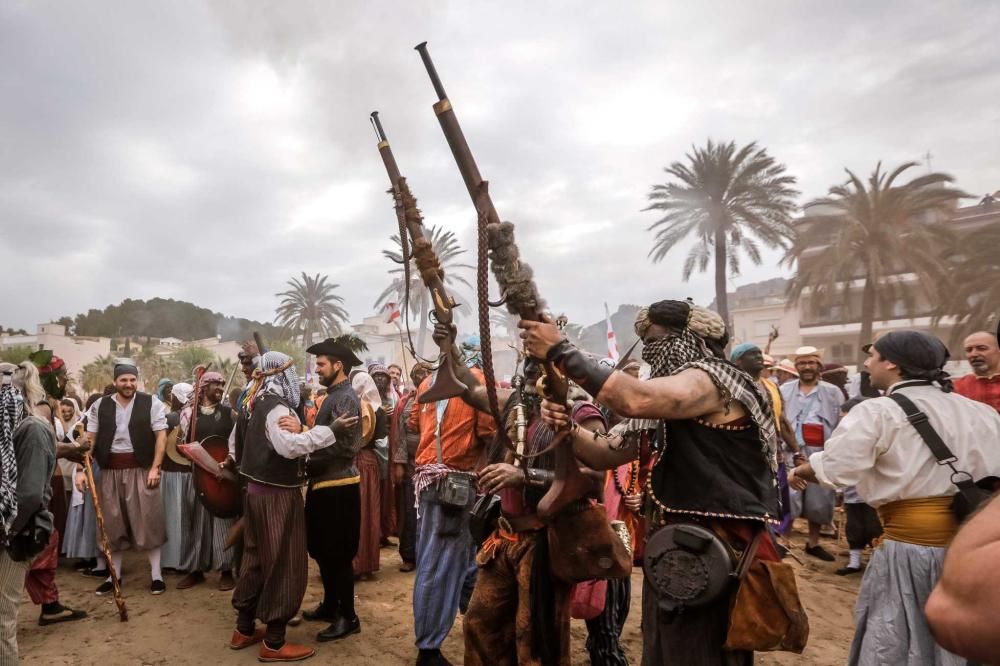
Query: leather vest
point(140, 430)
point(258, 460)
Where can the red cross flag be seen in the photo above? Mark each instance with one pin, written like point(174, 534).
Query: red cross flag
point(612, 341)
point(392, 312)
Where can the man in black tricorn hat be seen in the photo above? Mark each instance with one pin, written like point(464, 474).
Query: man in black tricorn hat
point(333, 502)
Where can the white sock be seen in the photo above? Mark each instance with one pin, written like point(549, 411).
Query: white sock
point(101, 564)
point(116, 560)
point(855, 558)
point(154, 563)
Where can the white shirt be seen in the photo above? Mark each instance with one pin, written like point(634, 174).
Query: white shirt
point(122, 442)
point(876, 449)
point(289, 445)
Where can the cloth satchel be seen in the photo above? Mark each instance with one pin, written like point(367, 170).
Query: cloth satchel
point(969, 495)
point(766, 614)
point(588, 598)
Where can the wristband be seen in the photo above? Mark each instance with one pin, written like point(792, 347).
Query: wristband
point(581, 367)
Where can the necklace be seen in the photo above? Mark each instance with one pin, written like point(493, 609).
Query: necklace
point(633, 480)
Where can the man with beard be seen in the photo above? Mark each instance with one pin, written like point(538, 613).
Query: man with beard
point(983, 385)
point(397, 387)
point(880, 449)
point(714, 470)
point(383, 450)
point(204, 544)
point(750, 359)
point(129, 433)
point(333, 501)
point(403, 445)
point(813, 410)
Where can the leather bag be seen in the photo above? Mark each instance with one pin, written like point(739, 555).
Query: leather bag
point(766, 614)
point(584, 546)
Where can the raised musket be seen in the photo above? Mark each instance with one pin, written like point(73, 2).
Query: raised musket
point(517, 288)
point(446, 383)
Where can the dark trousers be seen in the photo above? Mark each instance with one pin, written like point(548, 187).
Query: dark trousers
point(604, 631)
point(406, 521)
point(863, 525)
point(333, 531)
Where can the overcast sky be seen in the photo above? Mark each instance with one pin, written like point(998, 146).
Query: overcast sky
point(210, 151)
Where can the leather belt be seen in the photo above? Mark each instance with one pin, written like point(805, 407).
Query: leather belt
point(527, 523)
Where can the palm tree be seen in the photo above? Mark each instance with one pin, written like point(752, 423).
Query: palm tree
point(447, 249)
point(973, 293)
point(880, 233)
point(186, 359)
point(98, 373)
point(310, 306)
point(725, 197)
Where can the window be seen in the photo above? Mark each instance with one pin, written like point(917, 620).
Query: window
point(842, 352)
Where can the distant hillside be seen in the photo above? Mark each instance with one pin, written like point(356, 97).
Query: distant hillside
point(165, 317)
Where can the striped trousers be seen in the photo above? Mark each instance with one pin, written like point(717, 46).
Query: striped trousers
point(605, 630)
point(11, 585)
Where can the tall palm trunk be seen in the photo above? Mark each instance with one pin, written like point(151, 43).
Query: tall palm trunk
point(867, 316)
point(721, 295)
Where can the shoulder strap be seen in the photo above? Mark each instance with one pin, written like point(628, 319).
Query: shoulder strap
point(923, 426)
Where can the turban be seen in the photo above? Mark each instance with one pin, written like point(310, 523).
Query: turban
point(161, 388)
point(919, 355)
point(125, 368)
point(182, 391)
point(682, 314)
point(378, 369)
point(741, 349)
point(212, 376)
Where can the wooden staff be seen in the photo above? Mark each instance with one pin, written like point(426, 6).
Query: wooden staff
point(105, 546)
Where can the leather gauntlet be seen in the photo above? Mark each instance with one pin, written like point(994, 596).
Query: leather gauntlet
point(581, 367)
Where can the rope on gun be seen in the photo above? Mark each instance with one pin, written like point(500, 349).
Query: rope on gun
point(482, 288)
point(422, 253)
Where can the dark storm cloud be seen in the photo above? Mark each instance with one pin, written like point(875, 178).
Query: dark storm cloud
point(210, 151)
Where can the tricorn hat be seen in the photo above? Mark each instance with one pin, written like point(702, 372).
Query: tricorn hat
point(336, 349)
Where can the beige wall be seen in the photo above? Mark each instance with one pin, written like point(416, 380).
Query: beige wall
point(76, 352)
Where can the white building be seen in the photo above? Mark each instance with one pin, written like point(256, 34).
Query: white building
point(76, 351)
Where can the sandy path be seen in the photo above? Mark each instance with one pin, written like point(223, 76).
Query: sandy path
point(193, 626)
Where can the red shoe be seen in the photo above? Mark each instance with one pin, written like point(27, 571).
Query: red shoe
point(288, 652)
point(239, 641)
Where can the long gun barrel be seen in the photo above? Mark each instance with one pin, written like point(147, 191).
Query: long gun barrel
point(446, 384)
point(516, 283)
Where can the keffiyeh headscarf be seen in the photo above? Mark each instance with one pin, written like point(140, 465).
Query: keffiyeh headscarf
point(275, 374)
point(11, 413)
point(699, 342)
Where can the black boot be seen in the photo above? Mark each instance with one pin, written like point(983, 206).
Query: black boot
point(340, 628)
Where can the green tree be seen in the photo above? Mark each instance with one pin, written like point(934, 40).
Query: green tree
point(98, 373)
point(16, 354)
point(155, 367)
point(448, 250)
point(188, 358)
point(293, 349)
point(877, 232)
point(973, 290)
point(726, 197)
point(311, 306)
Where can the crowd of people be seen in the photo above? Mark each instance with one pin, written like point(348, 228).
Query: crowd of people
point(519, 510)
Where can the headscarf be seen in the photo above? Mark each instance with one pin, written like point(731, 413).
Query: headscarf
point(69, 423)
point(125, 367)
point(741, 349)
point(279, 377)
point(161, 388)
point(472, 352)
point(182, 391)
point(11, 414)
point(364, 386)
point(377, 368)
point(919, 355)
point(211, 376)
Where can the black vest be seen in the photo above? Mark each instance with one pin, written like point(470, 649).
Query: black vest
point(140, 429)
point(715, 470)
point(258, 460)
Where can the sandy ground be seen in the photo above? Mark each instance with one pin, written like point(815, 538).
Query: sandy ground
point(193, 626)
